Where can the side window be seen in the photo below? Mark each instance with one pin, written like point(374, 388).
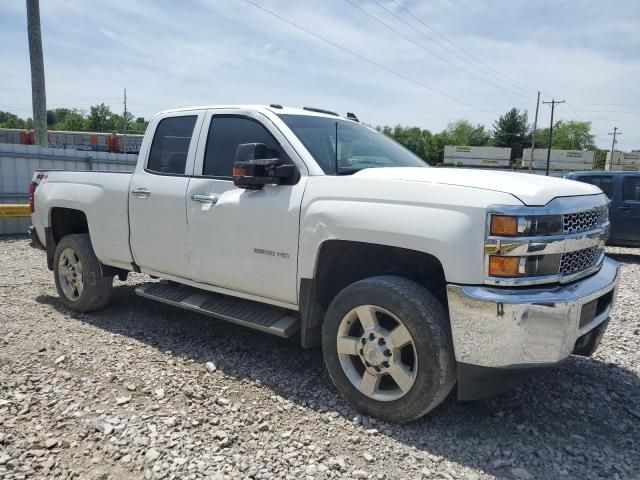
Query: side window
point(631, 189)
point(604, 182)
point(171, 144)
point(225, 134)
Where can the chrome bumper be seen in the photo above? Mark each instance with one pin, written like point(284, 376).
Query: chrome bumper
point(509, 327)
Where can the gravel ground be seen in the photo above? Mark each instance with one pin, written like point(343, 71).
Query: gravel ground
point(145, 390)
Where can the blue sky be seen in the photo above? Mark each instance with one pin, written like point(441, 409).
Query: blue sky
point(496, 53)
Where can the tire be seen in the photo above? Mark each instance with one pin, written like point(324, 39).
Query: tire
point(88, 290)
point(425, 367)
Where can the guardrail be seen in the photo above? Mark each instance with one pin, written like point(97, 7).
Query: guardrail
point(9, 210)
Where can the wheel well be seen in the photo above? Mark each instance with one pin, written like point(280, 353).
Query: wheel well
point(341, 263)
point(63, 222)
point(67, 221)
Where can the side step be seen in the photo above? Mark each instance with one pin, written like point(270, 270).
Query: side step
point(270, 319)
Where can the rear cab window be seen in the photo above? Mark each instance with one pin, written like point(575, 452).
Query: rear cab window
point(604, 182)
point(170, 146)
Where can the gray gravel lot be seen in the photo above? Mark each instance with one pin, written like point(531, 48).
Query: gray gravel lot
point(145, 390)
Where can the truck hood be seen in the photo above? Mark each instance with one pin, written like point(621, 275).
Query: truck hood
point(530, 189)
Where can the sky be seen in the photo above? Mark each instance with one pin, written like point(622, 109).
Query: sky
point(410, 62)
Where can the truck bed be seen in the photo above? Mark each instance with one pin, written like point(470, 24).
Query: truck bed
point(102, 195)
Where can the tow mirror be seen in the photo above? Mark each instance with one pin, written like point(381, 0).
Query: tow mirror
point(256, 165)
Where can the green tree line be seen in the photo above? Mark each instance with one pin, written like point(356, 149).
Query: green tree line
point(99, 118)
point(511, 130)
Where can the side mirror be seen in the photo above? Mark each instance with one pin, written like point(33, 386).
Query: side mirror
point(256, 165)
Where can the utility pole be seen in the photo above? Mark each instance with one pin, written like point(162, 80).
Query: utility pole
point(533, 135)
point(613, 143)
point(553, 103)
point(124, 139)
point(38, 95)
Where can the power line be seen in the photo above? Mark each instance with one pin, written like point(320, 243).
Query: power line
point(491, 70)
point(421, 47)
point(365, 59)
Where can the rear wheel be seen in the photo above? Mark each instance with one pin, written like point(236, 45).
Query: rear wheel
point(79, 275)
point(387, 346)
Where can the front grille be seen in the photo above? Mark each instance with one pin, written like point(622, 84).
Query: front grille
point(574, 262)
point(584, 221)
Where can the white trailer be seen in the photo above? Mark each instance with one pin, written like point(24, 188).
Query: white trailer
point(623, 161)
point(496, 157)
point(565, 160)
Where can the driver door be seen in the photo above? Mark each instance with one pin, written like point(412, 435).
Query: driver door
point(242, 240)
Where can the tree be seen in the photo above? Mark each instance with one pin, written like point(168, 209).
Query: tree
point(511, 130)
point(118, 122)
point(464, 133)
point(101, 119)
point(438, 142)
point(571, 135)
point(74, 121)
point(139, 126)
point(9, 120)
point(56, 116)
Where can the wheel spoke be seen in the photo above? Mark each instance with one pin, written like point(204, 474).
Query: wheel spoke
point(400, 336)
point(369, 383)
point(402, 376)
point(367, 317)
point(79, 286)
point(348, 345)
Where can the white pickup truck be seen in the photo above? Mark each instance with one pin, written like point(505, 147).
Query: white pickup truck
point(302, 222)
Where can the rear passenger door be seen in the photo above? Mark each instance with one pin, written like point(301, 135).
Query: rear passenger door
point(157, 210)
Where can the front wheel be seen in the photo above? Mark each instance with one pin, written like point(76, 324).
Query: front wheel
point(387, 346)
point(79, 276)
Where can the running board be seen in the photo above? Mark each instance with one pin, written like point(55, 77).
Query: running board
point(275, 320)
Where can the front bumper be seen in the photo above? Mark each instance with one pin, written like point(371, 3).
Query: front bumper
point(520, 328)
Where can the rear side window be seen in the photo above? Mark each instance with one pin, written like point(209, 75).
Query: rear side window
point(604, 182)
point(171, 144)
point(631, 189)
point(225, 134)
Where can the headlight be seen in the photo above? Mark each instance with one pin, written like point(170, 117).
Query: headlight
point(525, 226)
point(526, 266)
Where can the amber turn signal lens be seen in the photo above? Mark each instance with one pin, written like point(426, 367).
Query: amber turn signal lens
point(503, 266)
point(504, 225)
point(239, 172)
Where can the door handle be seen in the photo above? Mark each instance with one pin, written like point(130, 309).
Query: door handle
point(624, 208)
point(204, 198)
point(141, 192)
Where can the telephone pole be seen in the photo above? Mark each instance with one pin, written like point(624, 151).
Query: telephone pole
point(553, 103)
point(533, 135)
point(613, 143)
point(38, 96)
point(124, 138)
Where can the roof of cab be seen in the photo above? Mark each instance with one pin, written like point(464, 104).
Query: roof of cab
point(277, 110)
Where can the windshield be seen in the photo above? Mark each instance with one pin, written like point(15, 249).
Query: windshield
point(357, 146)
